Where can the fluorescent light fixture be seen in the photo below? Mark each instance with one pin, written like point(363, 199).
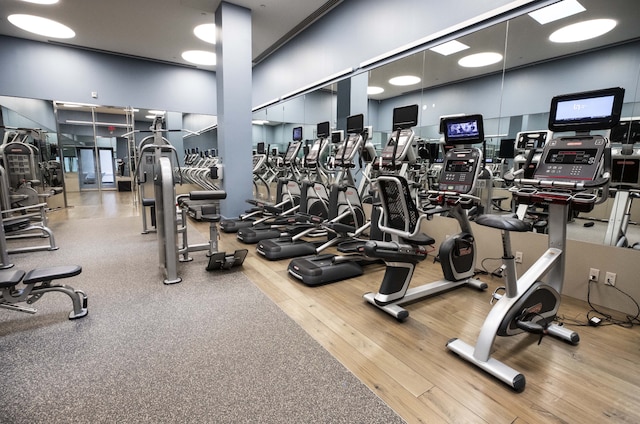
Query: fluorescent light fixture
point(41, 26)
point(150, 116)
point(206, 32)
point(478, 60)
point(404, 80)
point(200, 57)
point(157, 112)
point(450, 47)
point(372, 90)
point(259, 122)
point(557, 11)
point(42, 1)
point(584, 30)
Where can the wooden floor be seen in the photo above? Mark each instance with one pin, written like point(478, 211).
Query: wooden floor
point(407, 364)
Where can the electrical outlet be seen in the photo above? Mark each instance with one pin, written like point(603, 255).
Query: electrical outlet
point(610, 278)
point(518, 257)
point(594, 274)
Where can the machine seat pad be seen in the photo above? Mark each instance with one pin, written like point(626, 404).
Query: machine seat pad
point(148, 202)
point(207, 195)
point(503, 222)
point(10, 277)
point(51, 273)
point(421, 239)
point(211, 217)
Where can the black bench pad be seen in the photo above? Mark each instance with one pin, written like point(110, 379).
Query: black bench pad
point(10, 277)
point(52, 273)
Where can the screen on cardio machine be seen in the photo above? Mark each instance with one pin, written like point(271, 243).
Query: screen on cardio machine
point(590, 110)
point(297, 134)
point(467, 129)
point(323, 129)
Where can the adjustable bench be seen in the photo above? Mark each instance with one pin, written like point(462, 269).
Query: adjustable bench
point(37, 282)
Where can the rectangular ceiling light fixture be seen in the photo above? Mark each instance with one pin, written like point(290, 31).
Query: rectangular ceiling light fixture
point(557, 11)
point(450, 47)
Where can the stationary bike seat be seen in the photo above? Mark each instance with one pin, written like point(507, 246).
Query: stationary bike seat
point(503, 222)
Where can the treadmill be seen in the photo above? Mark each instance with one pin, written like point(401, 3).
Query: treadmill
point(329, 268)
point(346, 215)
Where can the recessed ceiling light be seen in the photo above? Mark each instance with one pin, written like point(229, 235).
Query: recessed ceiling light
point(199, 57)
point(374, 90)
point(42, 1)
point(557, 11)
point(450, 47)
point(41, 26)
point(581, 31)
point(480, 59)
point(404, 80)
point(206, 32)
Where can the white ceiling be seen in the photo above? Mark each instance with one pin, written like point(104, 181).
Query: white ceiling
point(161, 29)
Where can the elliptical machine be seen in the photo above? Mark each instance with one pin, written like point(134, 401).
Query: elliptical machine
point(402, 220)
point(569, 169)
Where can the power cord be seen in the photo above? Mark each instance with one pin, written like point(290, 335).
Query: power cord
point(596, 317)
point(497, 272)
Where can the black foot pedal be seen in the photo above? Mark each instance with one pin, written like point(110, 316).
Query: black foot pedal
point(221, 260)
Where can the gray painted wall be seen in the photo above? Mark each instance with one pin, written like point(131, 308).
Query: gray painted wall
point(44, 71)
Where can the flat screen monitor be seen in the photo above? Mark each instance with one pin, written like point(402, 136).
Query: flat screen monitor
point(468, 129)
point(323, 130)
point(260, 150)
point(507, 148)
point(405, 117)
point(626, 132)
point(625, 171)
point(355, 124)
point(337, 137)
point(297, 134)
point(589, 110)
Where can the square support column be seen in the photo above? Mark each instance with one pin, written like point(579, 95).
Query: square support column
point(233, 77)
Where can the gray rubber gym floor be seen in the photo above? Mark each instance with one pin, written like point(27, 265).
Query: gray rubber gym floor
point(213, 349)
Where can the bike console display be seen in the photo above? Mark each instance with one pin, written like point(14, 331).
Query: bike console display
point(571, 158)
point(459, 170)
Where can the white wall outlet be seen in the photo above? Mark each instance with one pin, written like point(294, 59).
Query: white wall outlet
point(610, 278)
point(594, 274)
point(518, 257)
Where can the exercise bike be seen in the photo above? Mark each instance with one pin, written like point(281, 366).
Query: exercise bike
point(402, 220)
point(570, 172)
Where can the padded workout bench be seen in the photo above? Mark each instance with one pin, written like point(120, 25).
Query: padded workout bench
point(37, 282)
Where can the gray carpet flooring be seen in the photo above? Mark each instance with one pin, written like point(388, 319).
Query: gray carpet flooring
point(212, 349)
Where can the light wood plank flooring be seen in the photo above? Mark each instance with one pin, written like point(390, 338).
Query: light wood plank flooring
point(407, 364)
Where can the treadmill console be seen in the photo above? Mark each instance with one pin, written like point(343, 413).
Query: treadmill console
point(459, 170)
